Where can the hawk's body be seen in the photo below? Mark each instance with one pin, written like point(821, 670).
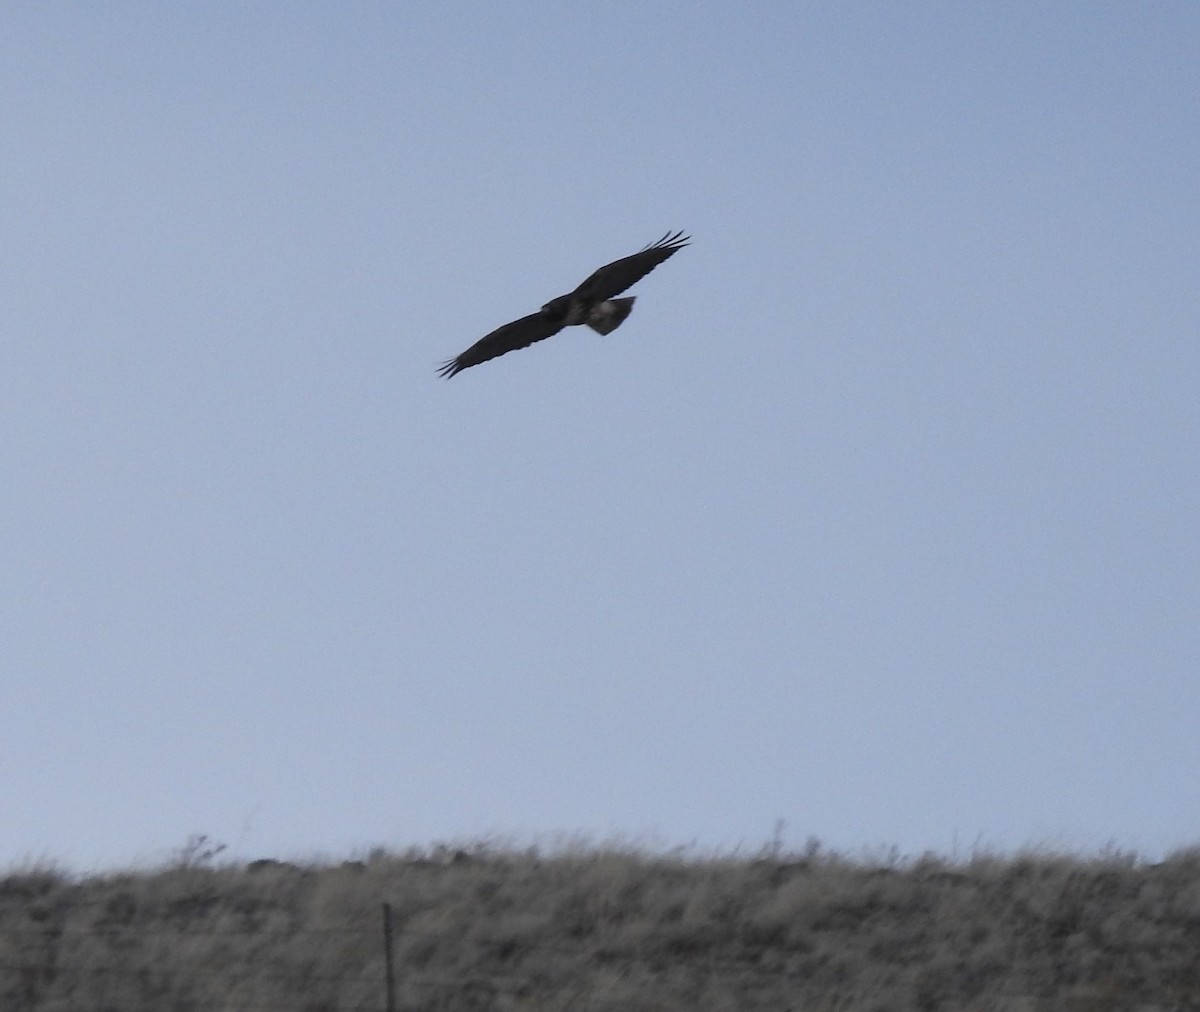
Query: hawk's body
point(593, 303)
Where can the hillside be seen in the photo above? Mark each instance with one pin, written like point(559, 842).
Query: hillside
point(602, 930)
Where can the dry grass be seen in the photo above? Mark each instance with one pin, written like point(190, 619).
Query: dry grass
point(607, 929)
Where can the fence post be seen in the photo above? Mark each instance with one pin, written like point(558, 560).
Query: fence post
point(388, 966)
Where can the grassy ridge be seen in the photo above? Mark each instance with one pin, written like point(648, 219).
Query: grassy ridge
point(607, 930)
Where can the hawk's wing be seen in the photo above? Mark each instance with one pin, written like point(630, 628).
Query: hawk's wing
point(518, 334)
point(614, 278)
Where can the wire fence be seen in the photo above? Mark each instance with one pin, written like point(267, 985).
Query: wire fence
point(58, 961)
point(61, 951)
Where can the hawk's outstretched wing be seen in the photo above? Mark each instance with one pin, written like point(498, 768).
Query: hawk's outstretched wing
point(518, 334)
point(614, 278)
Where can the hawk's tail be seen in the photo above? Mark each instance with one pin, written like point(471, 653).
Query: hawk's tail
point(607, 316)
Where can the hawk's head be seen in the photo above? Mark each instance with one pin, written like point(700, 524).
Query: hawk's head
point(566, 308)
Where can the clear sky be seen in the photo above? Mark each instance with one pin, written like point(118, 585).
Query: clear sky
point(879, 516)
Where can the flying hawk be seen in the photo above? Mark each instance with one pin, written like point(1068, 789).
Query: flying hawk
point(592, 303)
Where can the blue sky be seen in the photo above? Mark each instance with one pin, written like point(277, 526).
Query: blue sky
point(879, 516)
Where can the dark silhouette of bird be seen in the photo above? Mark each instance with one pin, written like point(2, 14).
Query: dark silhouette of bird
point(593, 303)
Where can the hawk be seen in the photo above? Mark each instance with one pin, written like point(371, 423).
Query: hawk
point(593, 303)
